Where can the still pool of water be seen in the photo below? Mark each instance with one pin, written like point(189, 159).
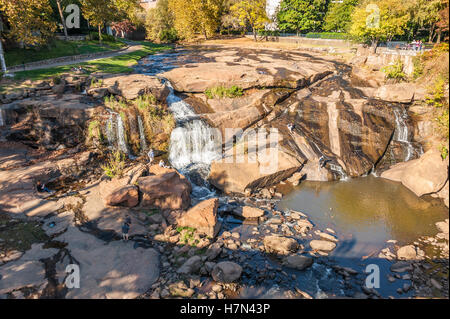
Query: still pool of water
point(366, 212)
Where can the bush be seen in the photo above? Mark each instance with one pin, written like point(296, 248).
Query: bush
point(222, 92)
point(105, 37)
point(395, 71)
point(115, 165)
point(269, 33)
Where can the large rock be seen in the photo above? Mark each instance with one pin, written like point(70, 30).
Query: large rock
point(254, 170)
point(132, 86)
point(226, 272)
point(165, 191)
point(407, 252)
point(399, 92)
point(202, 217)
point(252, 212)
point(127, 196)
point(280, 245)
point(190, 266)
point(425, 175)
point(322, 245)
point(241, 67)
point(298, 262)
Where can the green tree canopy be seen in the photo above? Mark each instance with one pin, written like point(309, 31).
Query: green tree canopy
point(339, 16)
point(250, 13)
point(301, 15)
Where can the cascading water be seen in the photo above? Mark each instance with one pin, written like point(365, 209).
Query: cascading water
point(115, 132)
point(142, 139)
point(193, 144)
point(2, 122)
point(110, 135)
point(402, 132)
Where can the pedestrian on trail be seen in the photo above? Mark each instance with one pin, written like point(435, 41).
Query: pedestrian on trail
point(290, 126)
point(125, 230)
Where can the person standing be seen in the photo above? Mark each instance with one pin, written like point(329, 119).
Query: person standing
point(151, 155)
point(125, 230)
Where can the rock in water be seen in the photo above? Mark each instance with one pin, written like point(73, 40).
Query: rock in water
point(407, 252)
point(323, 245)
point(202, 217)
point(166, 191)
point(226, 272)
point(280, 245)
point(298, 262)
point(252, 212)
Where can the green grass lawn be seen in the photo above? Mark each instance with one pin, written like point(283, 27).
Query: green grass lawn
point(58, 48)
point(118, 64)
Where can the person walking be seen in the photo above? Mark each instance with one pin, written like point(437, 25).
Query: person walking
point(151, 155)
point(125, 230)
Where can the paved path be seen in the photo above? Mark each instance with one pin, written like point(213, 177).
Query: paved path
point(130, 49)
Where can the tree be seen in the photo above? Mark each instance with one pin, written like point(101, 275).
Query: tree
point(251, 13)
point(122, 28)
point(2, 55)
point(196, 16)
point(339, 15)
point(379, 20)
point(443, 23)
point(30, 21)
point(100, 12)
point(301, 15)
point(63, 22)
point(160, 23)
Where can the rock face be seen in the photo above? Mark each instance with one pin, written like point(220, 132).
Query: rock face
point(298, 262)
point(225, 67)
point(127, 196)
point(202, 217)
point(399, 92)
point(166, 191)
point(134, 85)
point(322, 245)
point(280, 245)
point(226, 272)
point(425, 175)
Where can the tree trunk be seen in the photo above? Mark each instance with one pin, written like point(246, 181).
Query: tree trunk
point(100, 34)
point(430, 37)
point(254, 34)
point(374, 45)
point(58, 2)
point(2, 57)
point(439, 37)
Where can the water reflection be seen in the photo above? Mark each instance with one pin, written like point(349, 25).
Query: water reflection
point(367, 212)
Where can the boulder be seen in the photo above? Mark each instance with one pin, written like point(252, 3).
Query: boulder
point(322, 245)
point(298, 262)
point(280, 245)
point(190, 266)
point(252, 212)
point(202, 217)
point(407, 253)
point(131, 86)
point(425, 175)
point(226, 272)
point(127, 196)
point(397, 93)
point(166, 191)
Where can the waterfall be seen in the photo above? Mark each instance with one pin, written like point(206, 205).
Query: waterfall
point(121, 135)
point(2, 122)
point(192, 141)
point(339, 171)
point(110, 131)
point(142, 134)
point(402, 133)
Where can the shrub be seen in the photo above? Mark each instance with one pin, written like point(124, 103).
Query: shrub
point(327, 35)
point(115, 165)
point(94, 129)
point(143, 102)
point(114, 104)
point(394, 71)
point(105, 37)
point(222, 92)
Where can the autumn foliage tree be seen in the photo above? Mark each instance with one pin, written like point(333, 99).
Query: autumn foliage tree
point(251, 13)
point(30, 21)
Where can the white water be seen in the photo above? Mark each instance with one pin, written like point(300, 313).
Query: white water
point(193, 141)
point(402, 133)
point(142, 134)
point(110, 131)
point(2, 122)
point(121, 135)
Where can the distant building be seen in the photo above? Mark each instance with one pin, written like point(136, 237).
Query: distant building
point(148, 4)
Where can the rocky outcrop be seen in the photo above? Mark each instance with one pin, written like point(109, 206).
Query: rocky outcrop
point(132, 86)
point(426, 175)
point(322, 245)
point(202, 217)
point(165, 191)
point(241, 67)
